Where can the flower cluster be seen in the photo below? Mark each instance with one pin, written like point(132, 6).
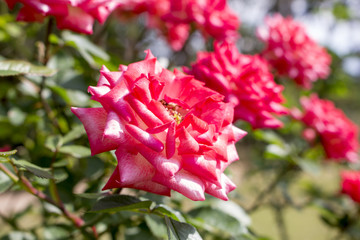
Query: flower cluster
point(292, 52)
point(174, 17)
point(351, 184)
point(169, 131)
point(245, 81)
point(338, 134)
point(76, 15)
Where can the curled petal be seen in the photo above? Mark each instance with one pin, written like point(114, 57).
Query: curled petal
point(144, 137)
point(185, 183)
point(94, 120)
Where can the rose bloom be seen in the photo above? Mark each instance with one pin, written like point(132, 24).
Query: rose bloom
point(337, 133)
point(173, 19)
point(292, 52)
point(213, 17)
point(351, 184)
point(5, 148)
point(169, 131)
point(76, 15)
point(245, 81)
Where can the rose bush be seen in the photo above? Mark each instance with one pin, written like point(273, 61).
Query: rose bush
point(76, 15)
point(292, 52)
point(169, 131)
point(245, 81)
point(338, 134)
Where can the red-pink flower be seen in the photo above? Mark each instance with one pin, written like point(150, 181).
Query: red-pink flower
point(292, 52)
point(245, 81)
point(213, 17)
point(350, 184)
point(76, 15)
point(337, 133)
point(5, 148)
point(169, 131)
point(174, 18)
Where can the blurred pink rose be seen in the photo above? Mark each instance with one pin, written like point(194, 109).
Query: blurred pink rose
point(292, 52)
point(76, 15)
point(174, 18)
point(5, 148)
point(169, 131)
point(338, 134)
point(350, 184)
point(245, 81)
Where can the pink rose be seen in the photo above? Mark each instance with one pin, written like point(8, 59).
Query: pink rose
point(213, 17)
point(292, 52)
point(174, 18)
point(338, 134)
point(245, 81)
point(169, 131)
point(76, 15)
point(351, 184)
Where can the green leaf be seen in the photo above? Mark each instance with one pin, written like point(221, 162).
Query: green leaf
point(269, 136)
point(5, 182)
point(217, 221)
point(156, 226)
point(75, 151)
point(19, 67)
point(54, 143)
point(8, 153)
point(181, 231)
point(75, 133)
point(167, 211)
point(90, 195)
point(56, 233)
point(86, 48)
point(34, 169)
point(117, 203)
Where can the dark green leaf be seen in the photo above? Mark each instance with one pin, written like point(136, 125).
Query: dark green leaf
point(75, 151)
point(116, 203)
point(90, 195)
point(181, 231)
point(18, 67)
point(34, 169)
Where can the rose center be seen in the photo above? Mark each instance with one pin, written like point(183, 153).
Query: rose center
point(174, 110)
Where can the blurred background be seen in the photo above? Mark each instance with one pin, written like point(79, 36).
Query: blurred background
point(333, 24)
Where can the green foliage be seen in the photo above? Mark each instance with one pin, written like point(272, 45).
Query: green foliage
point(50, 158)
point(19, 67)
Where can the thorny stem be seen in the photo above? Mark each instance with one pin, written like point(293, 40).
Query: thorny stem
point(77, 221)
point(260, 198)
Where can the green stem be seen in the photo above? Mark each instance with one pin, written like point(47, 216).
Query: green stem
point(279, 216)
point(260, 198)
point(48, 110)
